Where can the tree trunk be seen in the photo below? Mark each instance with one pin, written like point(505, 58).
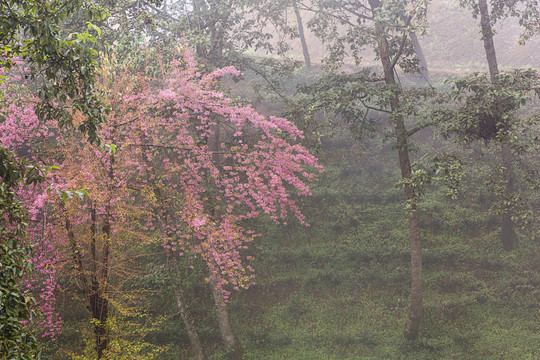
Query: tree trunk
point(507, 227)
point(181, 301)
point(507, 231)
point(305, 49)
point(422, 63)
point(185, 313)
point(95, 289)
point(99, 304)
point(232, 345)
point(487, 36)
point(415, 310)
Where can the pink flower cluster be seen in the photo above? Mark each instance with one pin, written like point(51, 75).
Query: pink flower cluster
point(189, 166)
point(19, 131)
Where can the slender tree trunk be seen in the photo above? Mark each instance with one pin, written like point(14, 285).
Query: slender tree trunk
point(231, 343)
point(100, 306)
point(305, 49)
point(234, 349)
point(487, 36)
point(415, 310)
point(95, 290)
point(174, 268)
point(98, 301)
point(185, 313)
point(507, 228)
point(422, 63)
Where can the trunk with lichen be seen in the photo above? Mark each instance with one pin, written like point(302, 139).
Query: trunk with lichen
point(230, 341)
point(185, 312)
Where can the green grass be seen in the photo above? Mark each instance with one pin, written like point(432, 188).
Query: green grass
point(339, 289)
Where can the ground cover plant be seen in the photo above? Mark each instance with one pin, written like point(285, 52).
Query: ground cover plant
point(342, 290)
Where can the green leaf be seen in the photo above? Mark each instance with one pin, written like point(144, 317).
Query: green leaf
point(94, 27)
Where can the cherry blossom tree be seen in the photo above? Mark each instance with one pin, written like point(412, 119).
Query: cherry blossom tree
point(211, 165)
point(20, 128)
point(184, 164)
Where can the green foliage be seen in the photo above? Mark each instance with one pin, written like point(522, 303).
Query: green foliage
point(339, 289)
point(488, 110)
point(16, 342)
point(63, 65)
point(526, 11)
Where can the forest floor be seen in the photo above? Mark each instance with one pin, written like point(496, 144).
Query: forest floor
point(339, 288)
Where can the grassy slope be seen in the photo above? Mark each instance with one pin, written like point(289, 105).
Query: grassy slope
point(339, 289)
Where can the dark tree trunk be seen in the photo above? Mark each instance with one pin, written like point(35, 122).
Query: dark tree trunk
point(95, 289)
point(99, 301)
point(99, 306)
point(487, 36)
point(507, 227)
point(305, 49)
point(401, 134)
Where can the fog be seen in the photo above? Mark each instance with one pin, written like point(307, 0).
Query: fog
point(187, 185)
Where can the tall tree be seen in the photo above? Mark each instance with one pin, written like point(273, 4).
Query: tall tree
point(227, 178)
point(508, 233)
point(159, 150)
point(388, 61)
point(65, 69)
point(385, 27)
point(305, 49)
point(527, 11)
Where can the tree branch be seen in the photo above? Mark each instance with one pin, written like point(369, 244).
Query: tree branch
point(401, 45)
